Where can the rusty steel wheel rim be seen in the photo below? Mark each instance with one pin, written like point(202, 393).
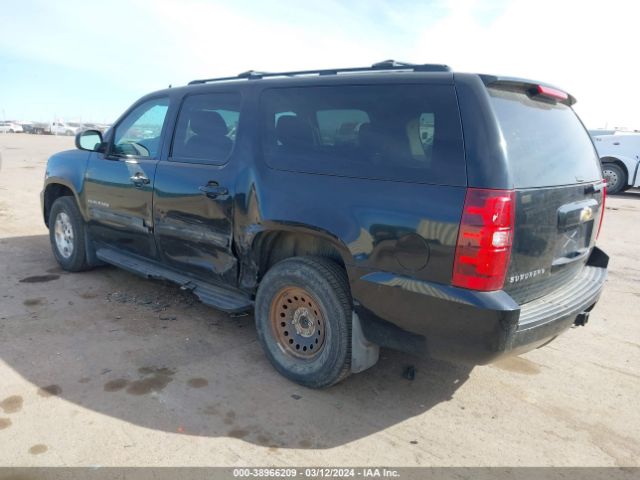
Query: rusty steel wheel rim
point(297, 322)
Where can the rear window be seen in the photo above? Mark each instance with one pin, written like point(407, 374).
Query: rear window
point(546, 144)
point(393, 132)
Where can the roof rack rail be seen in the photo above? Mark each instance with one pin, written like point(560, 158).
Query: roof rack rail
point(385, 65)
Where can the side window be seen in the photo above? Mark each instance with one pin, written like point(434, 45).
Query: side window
point(408, 133)
point(139, 133)
point(206, 128)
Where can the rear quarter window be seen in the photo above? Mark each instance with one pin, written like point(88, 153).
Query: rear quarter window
point(546, 144)
point(408, 133)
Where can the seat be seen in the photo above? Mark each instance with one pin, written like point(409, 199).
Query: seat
point(210, 136)
point(370, 142)
point(294, 133)
point(382, 145)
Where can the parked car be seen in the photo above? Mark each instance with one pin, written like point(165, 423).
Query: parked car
point(10, 127)
point(620, 158)
point(409, 236)
point(62, 128)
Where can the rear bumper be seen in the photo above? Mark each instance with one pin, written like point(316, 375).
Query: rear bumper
point(467, 326)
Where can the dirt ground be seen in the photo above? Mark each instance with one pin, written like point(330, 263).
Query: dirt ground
point(104, 368)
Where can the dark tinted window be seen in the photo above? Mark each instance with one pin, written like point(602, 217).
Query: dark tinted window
point(392, 132)
point(206, 128)
point(546, 143)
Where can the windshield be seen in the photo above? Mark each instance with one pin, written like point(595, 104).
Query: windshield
point(546, 143)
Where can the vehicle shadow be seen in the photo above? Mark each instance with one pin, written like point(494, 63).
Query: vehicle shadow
point(147, 353)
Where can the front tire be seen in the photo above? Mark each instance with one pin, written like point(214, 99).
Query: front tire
point(615, 176)
point(303, 318)
point(67, 235)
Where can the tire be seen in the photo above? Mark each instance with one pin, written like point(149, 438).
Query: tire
point(615, 176)
point(67, 235)
point(302, 303)
point(68, 133)
point(11, 130)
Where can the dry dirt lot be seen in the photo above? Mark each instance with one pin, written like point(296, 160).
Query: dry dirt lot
point(103, 368)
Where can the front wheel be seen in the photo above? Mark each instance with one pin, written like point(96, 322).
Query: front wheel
point(615, 177)
point(66, 234)
point(303, 318)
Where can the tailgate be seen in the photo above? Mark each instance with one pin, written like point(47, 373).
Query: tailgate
point(555, 230)
point(559, 188)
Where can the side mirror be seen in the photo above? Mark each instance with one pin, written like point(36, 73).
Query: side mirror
point(90, 140)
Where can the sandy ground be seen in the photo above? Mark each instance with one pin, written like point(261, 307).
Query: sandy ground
point(103, 368)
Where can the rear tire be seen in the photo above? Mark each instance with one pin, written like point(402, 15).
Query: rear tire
point(615, 176)
point(303, 318)
point(67, 235)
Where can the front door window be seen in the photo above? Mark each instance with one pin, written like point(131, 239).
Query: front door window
point(140, 132)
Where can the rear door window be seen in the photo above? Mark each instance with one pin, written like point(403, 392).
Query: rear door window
point(546, 143)
point(407, 133)
point(206, 128)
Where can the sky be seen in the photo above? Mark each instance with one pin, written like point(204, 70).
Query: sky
point(88, 60)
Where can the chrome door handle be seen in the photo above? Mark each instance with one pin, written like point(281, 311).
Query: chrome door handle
point(213, 190)
point(139, 180)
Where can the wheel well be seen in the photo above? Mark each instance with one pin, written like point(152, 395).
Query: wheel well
point(271, 247)
point(618, 162)
point(51, 194)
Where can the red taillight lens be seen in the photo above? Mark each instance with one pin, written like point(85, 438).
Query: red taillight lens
point(604, 198)
point(484, 239)
point(552, 93)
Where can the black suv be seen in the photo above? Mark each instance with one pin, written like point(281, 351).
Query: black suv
point(445, 214)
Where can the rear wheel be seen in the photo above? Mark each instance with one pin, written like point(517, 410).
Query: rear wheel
point(303, 319)
point(615, 177)
point(66, 234)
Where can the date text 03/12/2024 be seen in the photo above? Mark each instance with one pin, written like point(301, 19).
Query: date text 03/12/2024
point(316, 472)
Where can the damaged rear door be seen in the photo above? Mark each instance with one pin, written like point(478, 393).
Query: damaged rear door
point(194, 189)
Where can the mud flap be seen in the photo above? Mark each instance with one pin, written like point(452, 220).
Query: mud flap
point(364, 354)
point(90, 249)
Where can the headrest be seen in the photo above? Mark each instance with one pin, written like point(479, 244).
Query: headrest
point(205, 122)
point(364, 133)
point(293, 132)
point(371, 136)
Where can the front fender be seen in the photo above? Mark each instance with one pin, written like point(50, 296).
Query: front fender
point(67, 169)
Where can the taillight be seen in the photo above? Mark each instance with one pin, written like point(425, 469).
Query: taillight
point(484, 239)
point(552, 93)
point(604, 197)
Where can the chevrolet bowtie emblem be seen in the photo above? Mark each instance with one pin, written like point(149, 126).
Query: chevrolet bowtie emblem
point(586, 214)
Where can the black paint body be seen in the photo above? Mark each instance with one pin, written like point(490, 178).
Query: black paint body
point(396, 239)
